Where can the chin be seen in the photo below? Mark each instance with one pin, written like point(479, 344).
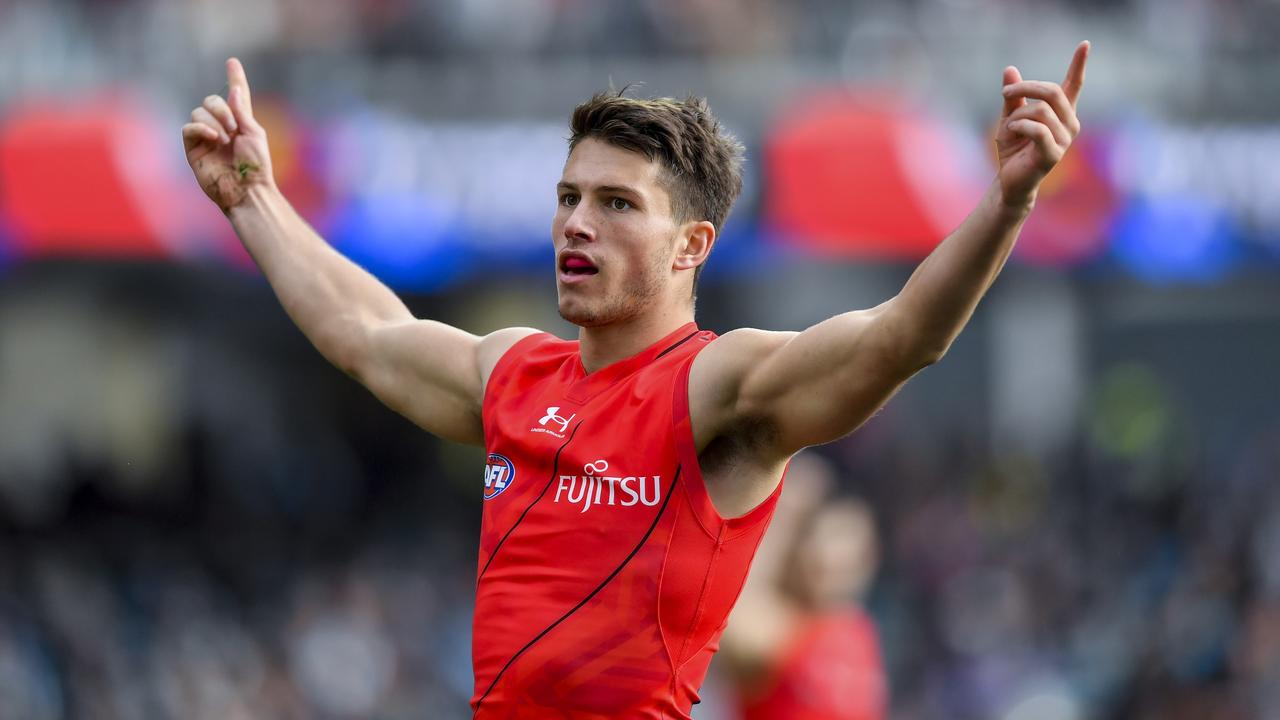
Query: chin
point(580, 316)
point(585, 315)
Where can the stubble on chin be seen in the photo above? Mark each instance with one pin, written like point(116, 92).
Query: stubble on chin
point(606, 312)
point(619, 307)
point(582, 317)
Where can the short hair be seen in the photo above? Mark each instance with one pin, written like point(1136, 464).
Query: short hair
point(701, 161)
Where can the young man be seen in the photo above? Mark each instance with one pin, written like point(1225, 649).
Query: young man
point(631, 473)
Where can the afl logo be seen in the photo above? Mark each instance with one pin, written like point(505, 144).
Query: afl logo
point(499, 473)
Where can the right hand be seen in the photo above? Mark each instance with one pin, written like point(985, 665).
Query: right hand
point(226, 147)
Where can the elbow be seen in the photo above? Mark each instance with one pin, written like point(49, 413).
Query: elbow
point(913, 344)
point(916, 356)
point(921, 347)
point(910, 344)
point(931, 354)
point(343, 348)
point(351, 366)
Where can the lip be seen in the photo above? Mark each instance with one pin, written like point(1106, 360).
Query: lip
point(569, 278)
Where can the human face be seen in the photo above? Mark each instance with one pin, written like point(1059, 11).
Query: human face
point(614, 236)
point(836, 557)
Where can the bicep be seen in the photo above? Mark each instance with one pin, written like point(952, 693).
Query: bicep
point(427, 371)
point(823, 383)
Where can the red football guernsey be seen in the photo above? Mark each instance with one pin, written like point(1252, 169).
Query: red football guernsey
point(605, 574)
point(831, 670)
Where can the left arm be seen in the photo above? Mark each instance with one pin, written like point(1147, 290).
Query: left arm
point(820, 384)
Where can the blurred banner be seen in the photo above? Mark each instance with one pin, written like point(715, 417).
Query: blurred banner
point(88, 180)
point(854, 175)
point(862, 175)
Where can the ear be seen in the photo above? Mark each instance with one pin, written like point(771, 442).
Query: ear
point(696, 240)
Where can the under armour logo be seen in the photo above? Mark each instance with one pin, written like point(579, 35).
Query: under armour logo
point(553, 415)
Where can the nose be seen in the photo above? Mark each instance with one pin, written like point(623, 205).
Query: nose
point(578, 225)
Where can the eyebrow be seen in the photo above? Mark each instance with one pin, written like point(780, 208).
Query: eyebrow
point(625, 189)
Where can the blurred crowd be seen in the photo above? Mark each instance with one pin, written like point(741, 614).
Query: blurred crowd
point(458, 51)
point(1135, 583)
point(147, 628)
point(299, 551)
point(456, 28)
point(265, 545)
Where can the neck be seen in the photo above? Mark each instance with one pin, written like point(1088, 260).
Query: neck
point(603, 345)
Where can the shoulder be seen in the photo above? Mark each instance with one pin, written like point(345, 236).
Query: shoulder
point(719, 374)
point(496, 344)
point(749, 340)
point(729, 358)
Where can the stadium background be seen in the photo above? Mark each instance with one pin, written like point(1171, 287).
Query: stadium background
point(1080, 506)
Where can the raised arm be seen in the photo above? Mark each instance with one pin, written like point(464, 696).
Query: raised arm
point(799, 389)
point(430, 372)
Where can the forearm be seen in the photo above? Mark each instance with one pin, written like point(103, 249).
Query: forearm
point(331, 299)
point(941, 295)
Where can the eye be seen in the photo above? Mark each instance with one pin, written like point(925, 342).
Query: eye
point(568, 199)
point(619, 204)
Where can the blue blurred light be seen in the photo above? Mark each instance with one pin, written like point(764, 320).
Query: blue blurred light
point(739, 249)
point(403, 240)
point(515, 251)
point(1171, 239)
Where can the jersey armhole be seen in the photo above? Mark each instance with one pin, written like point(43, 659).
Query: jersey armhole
point(502, 369)
point(696, 488)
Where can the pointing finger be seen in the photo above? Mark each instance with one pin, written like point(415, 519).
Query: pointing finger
point(1011, 76)
point(1074, 81)
point(236, 77)
point(238, 95)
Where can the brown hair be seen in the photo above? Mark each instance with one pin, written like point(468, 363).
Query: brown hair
point(702, 163)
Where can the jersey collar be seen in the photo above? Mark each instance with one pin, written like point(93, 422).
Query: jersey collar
point(587, 386)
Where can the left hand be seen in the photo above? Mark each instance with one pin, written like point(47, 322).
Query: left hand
point(1033, 137)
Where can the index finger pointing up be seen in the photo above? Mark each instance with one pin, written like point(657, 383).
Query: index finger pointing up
point(238, 93)
point(1075, 74)
point(1011, 76)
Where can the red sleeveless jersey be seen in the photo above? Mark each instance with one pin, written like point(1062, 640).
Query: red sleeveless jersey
point(830, 671)
point(605, 574)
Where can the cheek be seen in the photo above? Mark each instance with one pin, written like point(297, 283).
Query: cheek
point(557, 225)
point(809, 558)
point(645, 265)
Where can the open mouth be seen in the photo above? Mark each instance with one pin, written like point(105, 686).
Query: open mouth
point(577, 266)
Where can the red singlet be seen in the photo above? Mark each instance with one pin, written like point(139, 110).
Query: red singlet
point(831, 671)
point(605, 574)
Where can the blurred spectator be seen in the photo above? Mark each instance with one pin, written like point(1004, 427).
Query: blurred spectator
point(798, 645)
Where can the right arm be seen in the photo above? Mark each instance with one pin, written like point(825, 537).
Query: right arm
point(429, 372)
point(432, 373)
